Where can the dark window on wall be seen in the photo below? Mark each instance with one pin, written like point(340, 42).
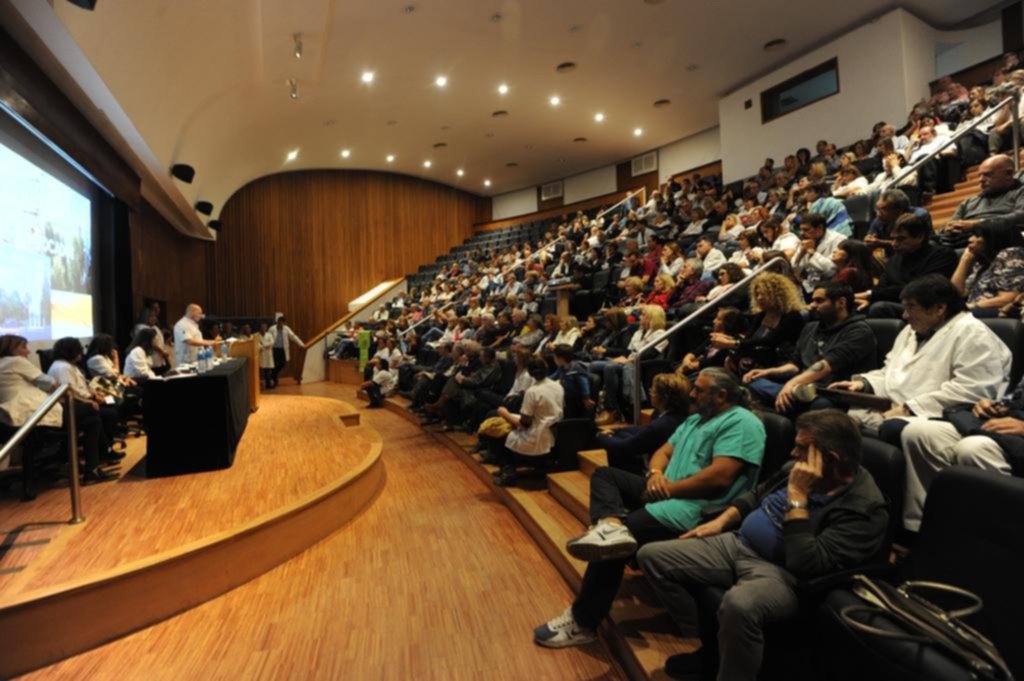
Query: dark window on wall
point(806, 88)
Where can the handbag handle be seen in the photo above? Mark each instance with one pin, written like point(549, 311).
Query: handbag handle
point(975, 606)
point(847, 612)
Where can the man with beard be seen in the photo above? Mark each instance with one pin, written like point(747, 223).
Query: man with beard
point(834, 347)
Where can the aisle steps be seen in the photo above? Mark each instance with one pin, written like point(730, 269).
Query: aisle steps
point(639, 631)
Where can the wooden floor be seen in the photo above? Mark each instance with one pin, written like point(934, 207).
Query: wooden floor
point(436, 580)
point(134, 518)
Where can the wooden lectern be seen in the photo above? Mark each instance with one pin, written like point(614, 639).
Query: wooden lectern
point(250, 349)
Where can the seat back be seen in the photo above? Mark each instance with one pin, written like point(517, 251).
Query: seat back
point(885, 331)
point(45, 359)
point(889, 469)
point(1011, 333)
point(778, 442)
point(571, 437)
point(508, 376)
point(970, 537)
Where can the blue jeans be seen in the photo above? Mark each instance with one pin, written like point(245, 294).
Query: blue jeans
point(611, 372)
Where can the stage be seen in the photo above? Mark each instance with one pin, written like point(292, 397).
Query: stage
point(151, 548)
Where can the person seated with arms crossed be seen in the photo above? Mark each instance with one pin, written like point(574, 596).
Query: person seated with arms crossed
point(628, 448)
point(914, 256)
point(944, 357)
point(989, 435)
point(712, 458)
point(821, 513)
point(835, 345)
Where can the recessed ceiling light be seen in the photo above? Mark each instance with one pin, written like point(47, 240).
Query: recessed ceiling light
point(637, 132)
point(499, 113)
point(599, 117)
point(345, 153)
point(427, 164)
point(487, 183)
point(292, 155)
point(441, 81)
point(440, 145)
point(294, 87)
point(409, 9)
point(460, 172)
point(775, 44)
point(392, 122)
point(297, 49)
point(580, 139)
point(367, 77)
point(496, 17)
point(488, 135)
point(637, 44)
point(511, 164)
point(390, 158)
point(662, 103)
point(692, 67)
point(503, 89)
point(555, 101)
point(575, 28)
point(445, 128)
point(329, 122)
point(566, 67)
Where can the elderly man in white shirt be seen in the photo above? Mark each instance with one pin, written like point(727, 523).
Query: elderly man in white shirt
point(188, 336)
point(944, 357)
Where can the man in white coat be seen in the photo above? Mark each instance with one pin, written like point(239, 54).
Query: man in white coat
point(280, 333)
point(944, 357)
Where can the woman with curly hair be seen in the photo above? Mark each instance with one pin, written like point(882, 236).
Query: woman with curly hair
point(777, 306)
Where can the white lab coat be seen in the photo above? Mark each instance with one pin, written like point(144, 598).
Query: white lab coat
point(964, 362)
point(266, 350)
point(289, 336)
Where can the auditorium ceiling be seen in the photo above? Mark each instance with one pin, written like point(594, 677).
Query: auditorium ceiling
point(217, 84)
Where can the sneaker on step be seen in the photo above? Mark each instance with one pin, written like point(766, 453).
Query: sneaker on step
point(603, 541)
point(562, 632)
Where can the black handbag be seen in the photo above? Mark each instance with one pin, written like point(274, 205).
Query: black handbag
point(922, 621)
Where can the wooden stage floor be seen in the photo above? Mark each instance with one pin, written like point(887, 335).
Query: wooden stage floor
point(291, 448)
point(434, 580)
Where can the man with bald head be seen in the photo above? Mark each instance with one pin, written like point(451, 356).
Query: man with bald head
point(187, 336)
point(1000, 203)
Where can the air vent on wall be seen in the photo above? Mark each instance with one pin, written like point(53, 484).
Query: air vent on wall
point(551, 190)
point(648, 163)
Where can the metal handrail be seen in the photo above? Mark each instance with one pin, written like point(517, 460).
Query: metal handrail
point(23, 432)
point(961, 132)
point(641, 190)
point(686, 321)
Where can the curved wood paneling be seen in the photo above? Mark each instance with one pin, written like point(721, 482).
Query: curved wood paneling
point(305, 243)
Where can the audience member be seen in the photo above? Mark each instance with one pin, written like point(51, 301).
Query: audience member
point(629, 447)
point(812, 262)
point(991, 271)
point(1000, 203)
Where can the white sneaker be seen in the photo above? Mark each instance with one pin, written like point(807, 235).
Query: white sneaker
point(603, 541)
point(562, 632)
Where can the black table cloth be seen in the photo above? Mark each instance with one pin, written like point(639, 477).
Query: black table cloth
point(194, 423)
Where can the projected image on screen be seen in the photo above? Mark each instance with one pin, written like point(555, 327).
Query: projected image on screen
point(45, 253)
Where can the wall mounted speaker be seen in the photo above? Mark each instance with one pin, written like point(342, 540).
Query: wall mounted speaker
point(183, 172)
point(215, 225)
point(84, 4)
point(204, 207)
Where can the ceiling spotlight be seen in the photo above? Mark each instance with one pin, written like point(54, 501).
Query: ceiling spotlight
point(487, 183)
point(599, 117)
point(409, 9)
point(294, 87)
point(775, 44)
point(390, 158)
point(503, 89)
point(367, 77)
point(555, 101)
point(460, 172)
point(297, 39)
point(427, 164)
point(345, 153)
point(441, 81)
point(637, 132)
point(292, 155)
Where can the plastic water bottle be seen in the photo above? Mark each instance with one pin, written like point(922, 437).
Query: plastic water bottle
point(201, 359)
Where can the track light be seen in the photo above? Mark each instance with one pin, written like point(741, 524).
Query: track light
point(297, 38)
point(183, 172)
point(204, 207)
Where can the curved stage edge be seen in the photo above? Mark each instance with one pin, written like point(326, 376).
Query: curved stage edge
point(47, 625)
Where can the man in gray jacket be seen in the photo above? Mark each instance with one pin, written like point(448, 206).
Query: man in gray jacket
point(819, 514)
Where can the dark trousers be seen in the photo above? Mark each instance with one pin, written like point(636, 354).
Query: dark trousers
point(620, 494)
point(375, 395)
point(279, 363)
point(90, 429)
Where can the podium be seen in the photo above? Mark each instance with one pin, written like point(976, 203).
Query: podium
point(249, 349)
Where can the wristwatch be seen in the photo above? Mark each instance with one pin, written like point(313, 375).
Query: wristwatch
point(652, 472)
point(797, 505)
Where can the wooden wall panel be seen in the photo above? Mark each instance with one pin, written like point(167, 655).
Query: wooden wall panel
point(600, 201)
point(305, 243)
point(626, 182)
point(166, 264)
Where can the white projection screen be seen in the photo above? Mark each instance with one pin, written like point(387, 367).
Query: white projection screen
point(47, 278)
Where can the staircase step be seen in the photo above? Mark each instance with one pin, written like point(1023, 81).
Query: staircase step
point(572, 490)
point(591, 460)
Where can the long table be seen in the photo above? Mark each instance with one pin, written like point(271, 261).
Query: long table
point(194, 423)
